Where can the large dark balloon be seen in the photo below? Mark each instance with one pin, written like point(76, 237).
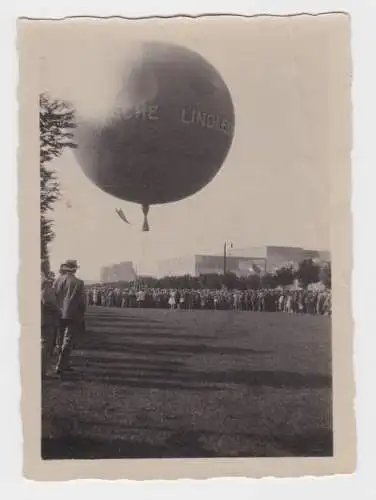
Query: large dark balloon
point(168, 133)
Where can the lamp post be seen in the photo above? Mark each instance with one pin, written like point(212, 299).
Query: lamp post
point(225, 246)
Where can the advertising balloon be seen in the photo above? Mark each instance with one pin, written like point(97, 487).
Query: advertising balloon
point(168, 133)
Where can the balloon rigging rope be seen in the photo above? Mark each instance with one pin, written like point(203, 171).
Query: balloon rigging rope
point(145, 210)
point(142, 257)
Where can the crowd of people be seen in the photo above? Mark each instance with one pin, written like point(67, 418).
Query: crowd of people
point(64, 302)
point(271, 300)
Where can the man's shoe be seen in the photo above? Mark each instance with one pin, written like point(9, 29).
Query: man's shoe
point(59, 370)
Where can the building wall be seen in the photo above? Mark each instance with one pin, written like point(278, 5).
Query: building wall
point(310, 254)
point(241, 266)
point(241, 262)
point(249, 252)
point(177, 267)
point(210, 264)
point(278, 256)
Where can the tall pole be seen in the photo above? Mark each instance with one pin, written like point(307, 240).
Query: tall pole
point(224, 258)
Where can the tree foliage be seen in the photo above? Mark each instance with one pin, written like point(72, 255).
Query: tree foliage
point(284, 276)
point(204, 281)
point(210, 281)
point(326, 275)
point(56, 124)
point(308, 272)
point(268, 280)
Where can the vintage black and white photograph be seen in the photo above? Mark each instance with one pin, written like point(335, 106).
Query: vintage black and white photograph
point(186, 234)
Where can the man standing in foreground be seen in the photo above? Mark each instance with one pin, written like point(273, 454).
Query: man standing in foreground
point(50, 316)
point(70, 295)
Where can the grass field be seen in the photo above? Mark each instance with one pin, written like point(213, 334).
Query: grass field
point(155, 383)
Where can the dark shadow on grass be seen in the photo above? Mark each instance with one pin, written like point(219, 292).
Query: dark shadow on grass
point(184, 444)
point(174, 377)
point(314, 444)
point(185, 349)
point(112, 361)
point(137, 364)
point(84, 448)
point(146, 333)
point(121, 318)
point(108, 326)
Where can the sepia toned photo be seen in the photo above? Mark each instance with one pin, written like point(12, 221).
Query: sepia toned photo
point(184, 201)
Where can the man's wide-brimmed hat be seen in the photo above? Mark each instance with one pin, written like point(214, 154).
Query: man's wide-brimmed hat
point(69, 265)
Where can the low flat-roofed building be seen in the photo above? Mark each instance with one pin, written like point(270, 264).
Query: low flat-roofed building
point(210, 264)
point(241, 262)
point(123, 271)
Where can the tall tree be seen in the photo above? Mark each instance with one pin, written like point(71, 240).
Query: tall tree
point(308, 272)
point(268, 280)
point(326, 275)
point(253, 281)
point(56, 124)
point(284, 276)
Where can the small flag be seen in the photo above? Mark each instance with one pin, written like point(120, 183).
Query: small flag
point(121, 214)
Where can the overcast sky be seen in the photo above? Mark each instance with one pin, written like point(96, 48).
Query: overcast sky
point(274, 185)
